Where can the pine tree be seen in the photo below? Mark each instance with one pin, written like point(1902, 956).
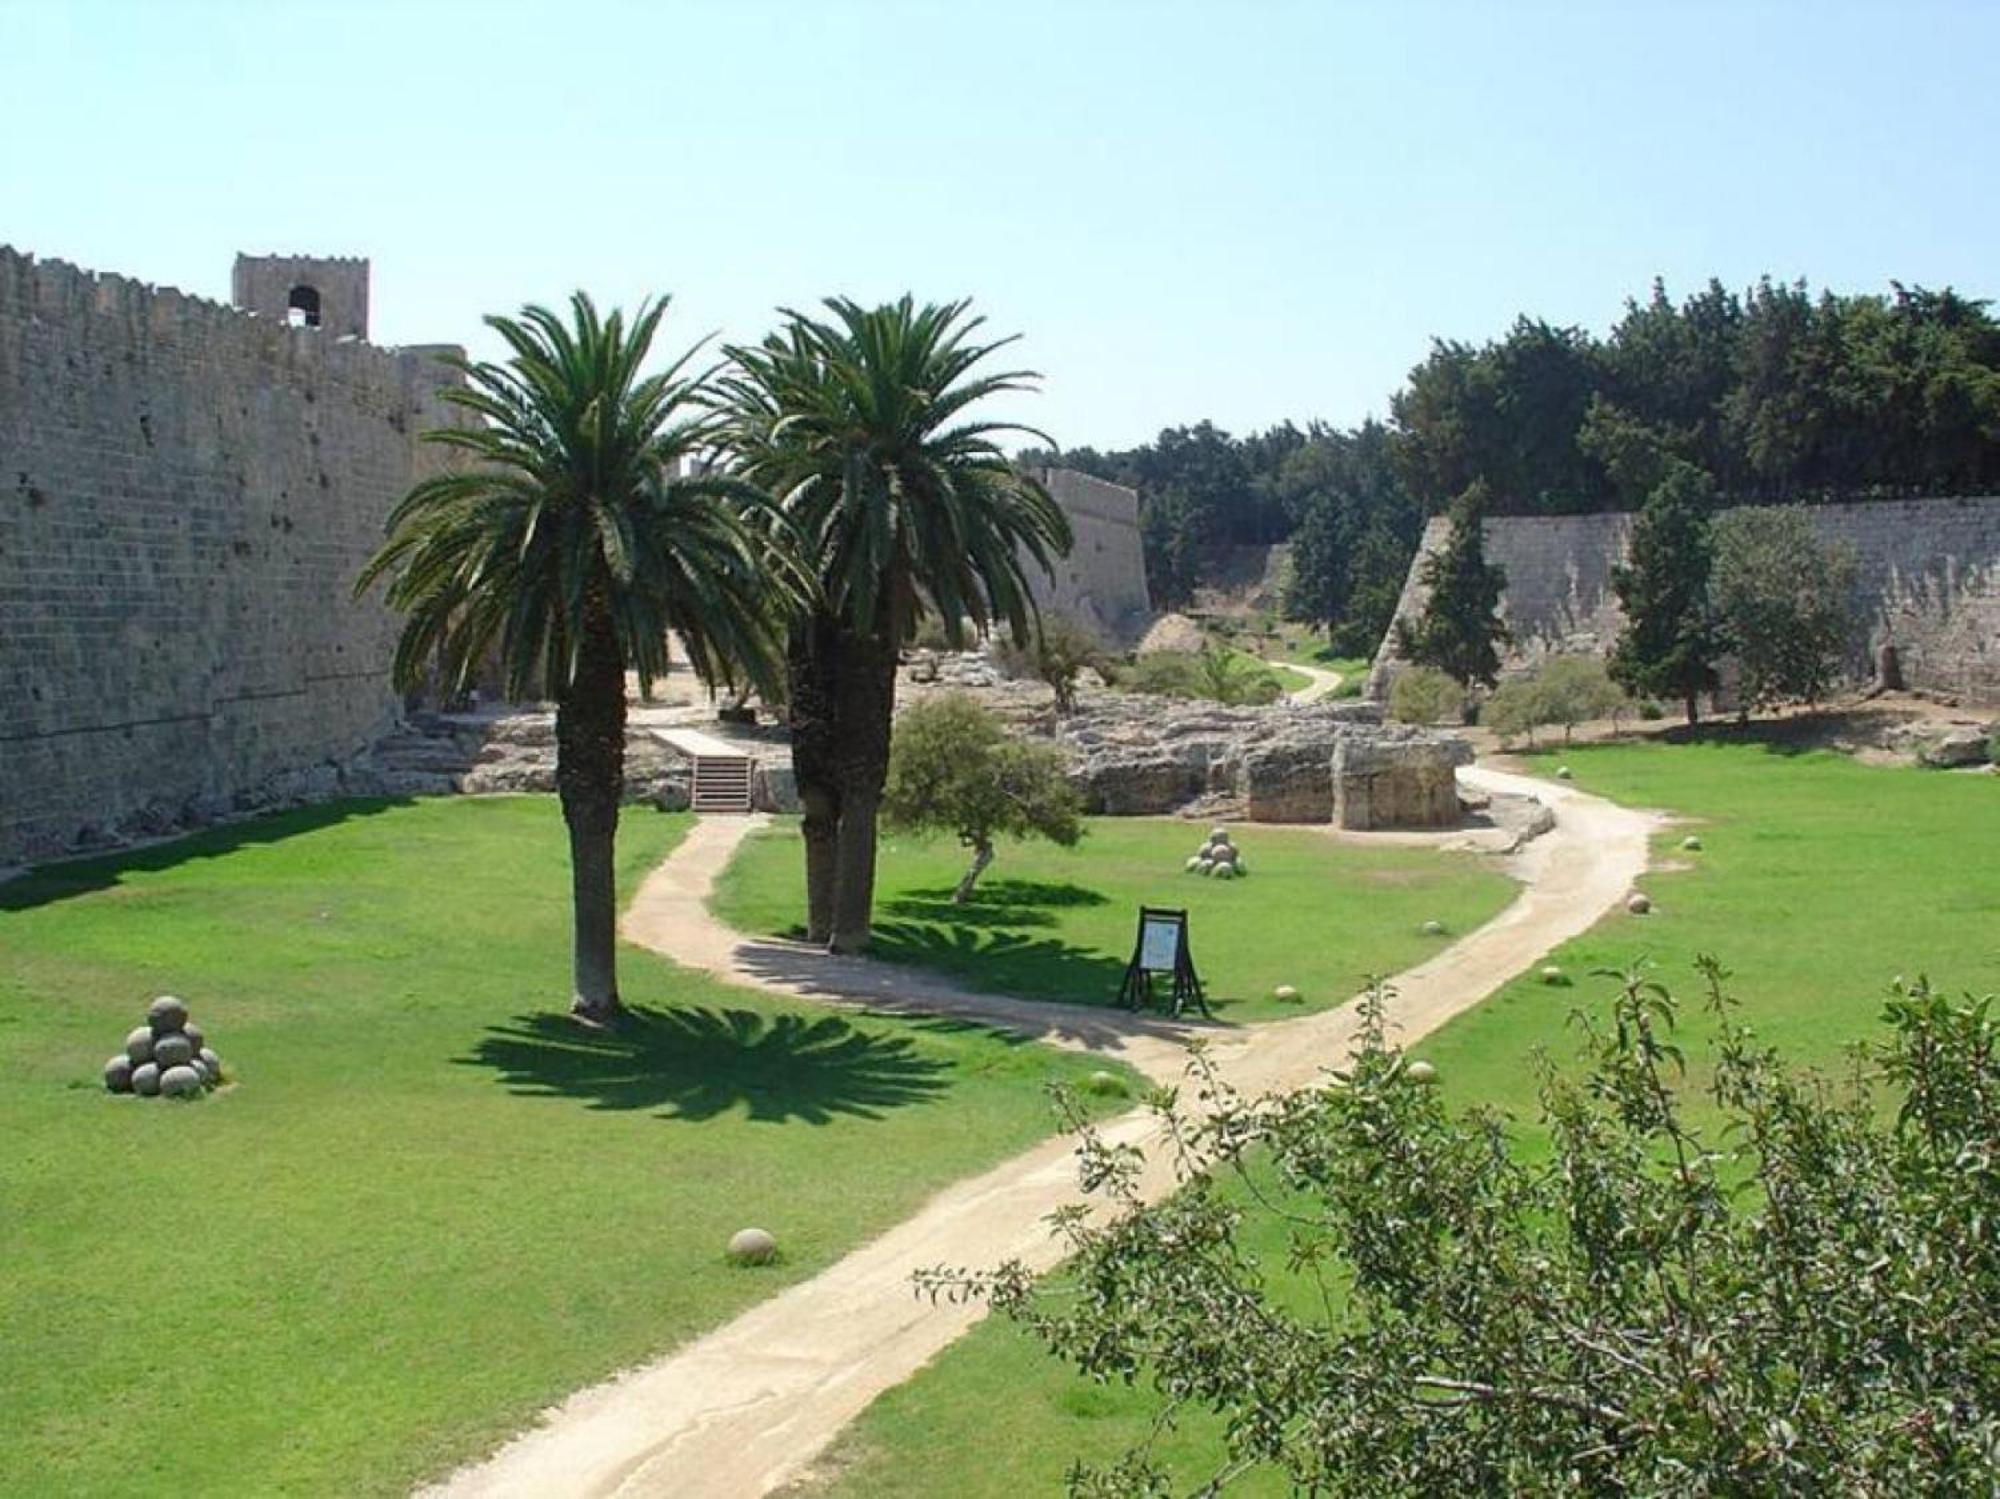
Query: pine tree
point(1670, 642)
point(1460, 631)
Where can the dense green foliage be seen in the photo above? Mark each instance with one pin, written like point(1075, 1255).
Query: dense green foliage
point(428, 1207)
point(569, 547)
point(1661, 1306)
point(1773, 394)
point(1217, 673)
point(1783, 604)
point(1317, 914)
point(1425, 695)
point(1566, 690)
point(1459, 631)
point(1669, 644)
point(1057, 653)
point(954, 769)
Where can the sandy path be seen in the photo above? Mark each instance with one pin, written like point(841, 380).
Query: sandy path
point(1323, 681)
point(740, 1411)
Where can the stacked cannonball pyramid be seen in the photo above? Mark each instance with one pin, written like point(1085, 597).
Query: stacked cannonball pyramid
point(165, 1055)
point(1218, 858)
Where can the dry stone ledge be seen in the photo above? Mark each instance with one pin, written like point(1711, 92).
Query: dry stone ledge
point(1396, 777)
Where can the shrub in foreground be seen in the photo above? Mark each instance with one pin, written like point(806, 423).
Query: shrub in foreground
point(1802, 1298)
point(1423, 694)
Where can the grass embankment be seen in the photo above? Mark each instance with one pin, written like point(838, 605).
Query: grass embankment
point(1819, 881)
point(430, 1204)
point(1053, 923)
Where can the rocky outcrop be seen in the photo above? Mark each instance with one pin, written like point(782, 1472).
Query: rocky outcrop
point(1397, 777)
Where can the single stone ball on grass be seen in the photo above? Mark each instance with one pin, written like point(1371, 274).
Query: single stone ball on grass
point(179, 1082)
point(118, 1074)
point(1285, 994)
point(1563, 773)
point(166, 1014)
point(1691, 843)
point(173, 1049)
point(1421, 1072)
point(1638, 903)
point(1433, 929)
point(139, 1045)
point(1551, 974)
point(752, 1246)
point(146, 1079)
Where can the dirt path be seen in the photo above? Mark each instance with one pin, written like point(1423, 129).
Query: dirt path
point(744, 1409)
point(1323, 681)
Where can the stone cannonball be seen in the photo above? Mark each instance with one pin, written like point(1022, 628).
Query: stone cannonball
point(1226, 854)
point(146, 1078)
point(173, 1049)
point(1106, 1084)
point(166, 1014)
point(1638, 903)
point(1433, 928)
point(1285, 994)
point(1421, 1072)
point(1691, 843)
point(1225, 870)
point(1204, 866)
point(1552, 974)
point(1563, 773)
point(177, 1082)
point(1218, 834)
point(195, 1034)
point(139, 1045)
point(1192, 864)
point(752, 1246)
point(202, 1074)
point(212, 1062)
point(118, 1074)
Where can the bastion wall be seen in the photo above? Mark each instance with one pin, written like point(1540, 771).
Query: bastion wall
point(1927, 581)
point(1102, 582)
point(187, 492)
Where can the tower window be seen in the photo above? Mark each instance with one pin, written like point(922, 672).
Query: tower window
point(302, 307)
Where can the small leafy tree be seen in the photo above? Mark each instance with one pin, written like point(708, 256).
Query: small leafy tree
point(1423, 694)
point(1514, 708)
point(1460, 630)
point(1781, 598)
point(1670, 642)
point(1061, 649)
point(1570, 690)
point(1803, 1299)
point(954, 769)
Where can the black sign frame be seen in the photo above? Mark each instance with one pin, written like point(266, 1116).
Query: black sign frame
point(1136, 992)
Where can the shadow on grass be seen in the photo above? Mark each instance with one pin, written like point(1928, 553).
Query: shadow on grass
point(693, 1062)
point(46, 883)
point(1008, 961)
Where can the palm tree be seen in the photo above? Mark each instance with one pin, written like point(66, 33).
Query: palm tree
point(569, 546)
point(856, 424)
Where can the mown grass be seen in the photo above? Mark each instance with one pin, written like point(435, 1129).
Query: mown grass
point(1058, 924)
point(429, 1204)
point(1818, 882)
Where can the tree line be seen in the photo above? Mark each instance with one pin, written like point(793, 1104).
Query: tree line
point(1775, 395)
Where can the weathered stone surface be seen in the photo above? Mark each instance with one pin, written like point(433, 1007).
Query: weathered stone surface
point(139, 1044)
point(173, 1050)
point(1397, 777)
point(1289, 780)
point(773, 787)
point(146, 1079)
point(752, 1246)
point(166, 1014)
point(177, 1081)
point(118, 1074)
point(1957, 745)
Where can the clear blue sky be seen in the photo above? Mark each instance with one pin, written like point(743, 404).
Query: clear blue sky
point(1236, 210)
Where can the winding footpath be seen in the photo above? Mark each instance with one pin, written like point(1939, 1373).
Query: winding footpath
point(747, 1407)
point(1323, 681)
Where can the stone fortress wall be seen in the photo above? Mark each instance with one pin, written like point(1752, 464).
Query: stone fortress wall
point(1928, 582)
point(1102, 583)
point(187, 492)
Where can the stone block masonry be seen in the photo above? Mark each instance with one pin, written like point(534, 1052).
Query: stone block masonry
point(186, 495)
point(1102, 582)
point(1927, 581)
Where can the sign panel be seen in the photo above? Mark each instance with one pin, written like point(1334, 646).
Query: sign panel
point(1159, 944)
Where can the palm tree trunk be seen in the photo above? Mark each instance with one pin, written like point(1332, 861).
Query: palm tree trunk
point(810, 665)
point(867, 708)
point(590, 777)
point(982, 855)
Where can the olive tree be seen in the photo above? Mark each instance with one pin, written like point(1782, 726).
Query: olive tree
point(953, 768)
point(1800, 1297)
point(1783, 598)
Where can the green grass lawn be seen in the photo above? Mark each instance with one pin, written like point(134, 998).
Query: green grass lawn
point(1054, 923)
point(430, 1204)
point(1819, 881)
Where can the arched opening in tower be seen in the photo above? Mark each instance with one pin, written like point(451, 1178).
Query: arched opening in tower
point(302, 307)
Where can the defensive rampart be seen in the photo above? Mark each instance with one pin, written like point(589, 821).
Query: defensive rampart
point(186, 495)
point(1102, 582)
point(1928, 582)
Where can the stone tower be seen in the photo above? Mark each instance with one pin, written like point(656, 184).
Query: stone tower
point(328, 293)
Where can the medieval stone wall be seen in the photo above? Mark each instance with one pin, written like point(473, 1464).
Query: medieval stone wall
point(1928, 581)
point(1102, 583)
point(186, 495)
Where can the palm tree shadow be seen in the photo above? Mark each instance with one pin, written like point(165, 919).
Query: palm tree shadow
point(694, 1063)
